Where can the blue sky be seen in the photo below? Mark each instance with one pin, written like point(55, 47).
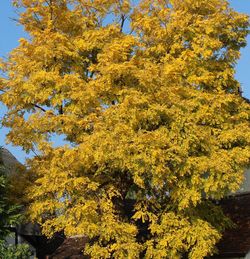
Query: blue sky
point(10, 33)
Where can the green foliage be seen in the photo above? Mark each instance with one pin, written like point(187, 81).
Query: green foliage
point(20, 251)
point(9, 213)
point(9, 216)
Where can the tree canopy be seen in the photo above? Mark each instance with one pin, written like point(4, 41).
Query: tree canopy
point(155, 127)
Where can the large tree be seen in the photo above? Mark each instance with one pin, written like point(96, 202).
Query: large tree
point(154, 124)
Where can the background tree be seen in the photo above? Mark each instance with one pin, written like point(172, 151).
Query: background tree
point(10, 216)
point(9, 213)
point(153, 119)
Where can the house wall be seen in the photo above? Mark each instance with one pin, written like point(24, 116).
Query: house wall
point(10, 239)
point(248, 255)
point(245, 187)
point(246, 184)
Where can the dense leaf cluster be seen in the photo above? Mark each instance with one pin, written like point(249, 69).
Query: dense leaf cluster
point(144, 95)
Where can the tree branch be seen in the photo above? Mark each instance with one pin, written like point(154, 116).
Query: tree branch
point(38, 107)
point(123, 18)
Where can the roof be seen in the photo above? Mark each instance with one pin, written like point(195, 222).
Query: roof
point(44, 246)
point(9, 161)
point(29, 229)
point(71, 248)
point(236, 241)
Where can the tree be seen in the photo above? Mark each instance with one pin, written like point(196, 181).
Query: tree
point(154, 124)
point(9, 216)
point(9, 213)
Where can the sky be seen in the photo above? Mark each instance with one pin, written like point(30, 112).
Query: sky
point(10, 33)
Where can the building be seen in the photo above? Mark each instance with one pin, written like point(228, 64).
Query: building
point(235, 243)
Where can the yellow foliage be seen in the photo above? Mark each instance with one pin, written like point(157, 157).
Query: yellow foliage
point(154, 121)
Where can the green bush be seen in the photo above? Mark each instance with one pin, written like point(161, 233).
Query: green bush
point(14, 251)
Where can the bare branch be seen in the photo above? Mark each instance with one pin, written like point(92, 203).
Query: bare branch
point(123, 19)
point(38, 107)
point(60, 111)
